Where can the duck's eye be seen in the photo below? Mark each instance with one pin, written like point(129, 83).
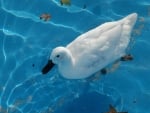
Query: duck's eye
point(57, 56)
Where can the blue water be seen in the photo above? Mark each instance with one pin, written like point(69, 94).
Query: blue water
point(26, 42)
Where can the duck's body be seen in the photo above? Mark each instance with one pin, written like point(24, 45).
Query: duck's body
point(95, 49)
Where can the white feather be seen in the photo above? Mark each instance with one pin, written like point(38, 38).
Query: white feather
point(95, 49)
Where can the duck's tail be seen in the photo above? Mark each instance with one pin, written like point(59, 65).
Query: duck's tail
point(130, 19)
point(128, 23)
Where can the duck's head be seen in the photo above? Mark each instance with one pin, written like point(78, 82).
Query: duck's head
point(58, 56)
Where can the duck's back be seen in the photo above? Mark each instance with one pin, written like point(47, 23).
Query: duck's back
point(97, 48)
point(107, 32)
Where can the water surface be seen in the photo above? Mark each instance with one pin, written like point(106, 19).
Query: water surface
point(26, 42)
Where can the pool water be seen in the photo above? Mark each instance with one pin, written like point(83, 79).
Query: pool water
point(26, 42)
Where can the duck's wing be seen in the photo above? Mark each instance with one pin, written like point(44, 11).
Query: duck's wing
point(87, 40)
point(94, 51)
point(95, 33)
point(103, 39)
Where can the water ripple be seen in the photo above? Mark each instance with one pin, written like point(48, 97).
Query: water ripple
point(27, 15)
point(24, 90)
point(11, 33)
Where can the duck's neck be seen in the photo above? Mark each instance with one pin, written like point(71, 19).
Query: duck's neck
point(67, 65)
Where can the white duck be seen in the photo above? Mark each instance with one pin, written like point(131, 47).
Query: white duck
point(93, 50)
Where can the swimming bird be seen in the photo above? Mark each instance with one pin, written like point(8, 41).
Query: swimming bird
point(94, 50)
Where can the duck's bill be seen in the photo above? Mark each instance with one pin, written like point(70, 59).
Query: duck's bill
point(48, 67)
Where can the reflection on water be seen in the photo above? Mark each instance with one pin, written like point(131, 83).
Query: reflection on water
point(138, 30)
